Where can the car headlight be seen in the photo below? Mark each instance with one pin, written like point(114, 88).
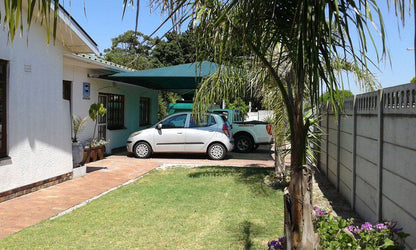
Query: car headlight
point(135, 133)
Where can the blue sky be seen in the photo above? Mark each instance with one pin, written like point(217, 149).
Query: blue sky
point(103, 21)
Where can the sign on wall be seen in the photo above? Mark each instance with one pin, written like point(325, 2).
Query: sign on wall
point(86, 89)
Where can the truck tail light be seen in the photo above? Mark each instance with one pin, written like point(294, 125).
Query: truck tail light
point(269, 129)
point(226, 131)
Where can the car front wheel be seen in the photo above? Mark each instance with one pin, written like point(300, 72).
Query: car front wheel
point(142, 150)
point(217, 151)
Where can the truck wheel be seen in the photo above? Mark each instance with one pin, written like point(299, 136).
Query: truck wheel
point(217, 151)
point(243, 144)
point(142, 150)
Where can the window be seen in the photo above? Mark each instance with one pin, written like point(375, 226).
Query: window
point(237, 116)
point(144, 111)
point(205, 121)
point(177, 121)
point(3, 108)
point(66, 90)
point(115, 111)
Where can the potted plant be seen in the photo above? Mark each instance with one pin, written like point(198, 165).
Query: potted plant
point(97, 150)
point(95, 110)
point(78, 124)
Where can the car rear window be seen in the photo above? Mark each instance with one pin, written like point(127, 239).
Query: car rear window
point(204, 121)
point(224, 118)
point(237, 116)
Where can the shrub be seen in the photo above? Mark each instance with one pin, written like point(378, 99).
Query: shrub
point(339, 233)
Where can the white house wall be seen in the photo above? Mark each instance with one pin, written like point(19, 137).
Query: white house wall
point(39, 145)
point(78, 75)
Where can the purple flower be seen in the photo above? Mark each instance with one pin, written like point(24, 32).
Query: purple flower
point(315, 208)
point(277, 246)
point(367, 226)
point(381, 226)
point(320, 213)
point(351, 228)
point(281, 239)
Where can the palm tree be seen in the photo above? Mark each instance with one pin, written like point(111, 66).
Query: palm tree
point(296, 42)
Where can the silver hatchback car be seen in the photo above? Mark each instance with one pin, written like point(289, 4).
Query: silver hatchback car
point(183, 132)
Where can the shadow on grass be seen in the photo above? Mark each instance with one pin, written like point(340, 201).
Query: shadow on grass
point(252, 176)
point(246, 233)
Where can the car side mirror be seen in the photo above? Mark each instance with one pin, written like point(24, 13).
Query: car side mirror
point(159, 126)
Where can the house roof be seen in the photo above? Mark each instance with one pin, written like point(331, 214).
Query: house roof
point(100, 63)
point(73, 36)
point(182, 79)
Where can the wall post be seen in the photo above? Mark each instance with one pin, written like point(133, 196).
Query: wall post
point(327, 138)
point(338, 146)
point(354, 153)
point(380, 103)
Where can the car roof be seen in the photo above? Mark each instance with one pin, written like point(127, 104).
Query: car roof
point(185, 113)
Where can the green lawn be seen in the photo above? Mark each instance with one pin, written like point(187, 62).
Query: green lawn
point(200, 208)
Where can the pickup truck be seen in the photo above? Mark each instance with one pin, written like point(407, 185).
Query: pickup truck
point(247, 135)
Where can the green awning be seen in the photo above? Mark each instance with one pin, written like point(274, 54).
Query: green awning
point(182, 79)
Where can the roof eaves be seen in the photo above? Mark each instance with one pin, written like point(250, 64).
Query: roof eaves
point(82, 34)
point(101, 62)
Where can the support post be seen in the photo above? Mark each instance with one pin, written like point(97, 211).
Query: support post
point(327, 140)
point(338, 146)
point(380, 103)
point(354, 154)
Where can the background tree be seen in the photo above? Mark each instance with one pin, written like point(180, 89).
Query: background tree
point(133, 50)
point(176, 48)
point(341, 94)
point(238, 103)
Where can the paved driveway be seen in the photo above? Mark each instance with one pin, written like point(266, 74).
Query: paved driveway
point(262, 157)
point(104, 176)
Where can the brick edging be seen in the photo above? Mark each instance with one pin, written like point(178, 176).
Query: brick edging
point(16, 192)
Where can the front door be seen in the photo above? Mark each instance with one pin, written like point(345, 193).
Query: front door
point(102, 120)
point(171, 138)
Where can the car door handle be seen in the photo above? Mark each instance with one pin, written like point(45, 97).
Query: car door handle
point(179, 133)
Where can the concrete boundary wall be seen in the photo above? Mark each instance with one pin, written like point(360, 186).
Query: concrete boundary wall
point(368, 152)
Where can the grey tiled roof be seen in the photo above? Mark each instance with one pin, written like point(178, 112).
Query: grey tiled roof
point(102, 61)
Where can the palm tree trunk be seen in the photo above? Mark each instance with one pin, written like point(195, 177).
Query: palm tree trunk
point(299, 228)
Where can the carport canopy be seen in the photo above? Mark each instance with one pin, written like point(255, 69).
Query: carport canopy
point(182, 79)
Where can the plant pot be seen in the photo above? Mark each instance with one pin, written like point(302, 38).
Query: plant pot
point(85, 156)
point(100, 152)
point(93, 155)
point(77, 153)
point(97, 153)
